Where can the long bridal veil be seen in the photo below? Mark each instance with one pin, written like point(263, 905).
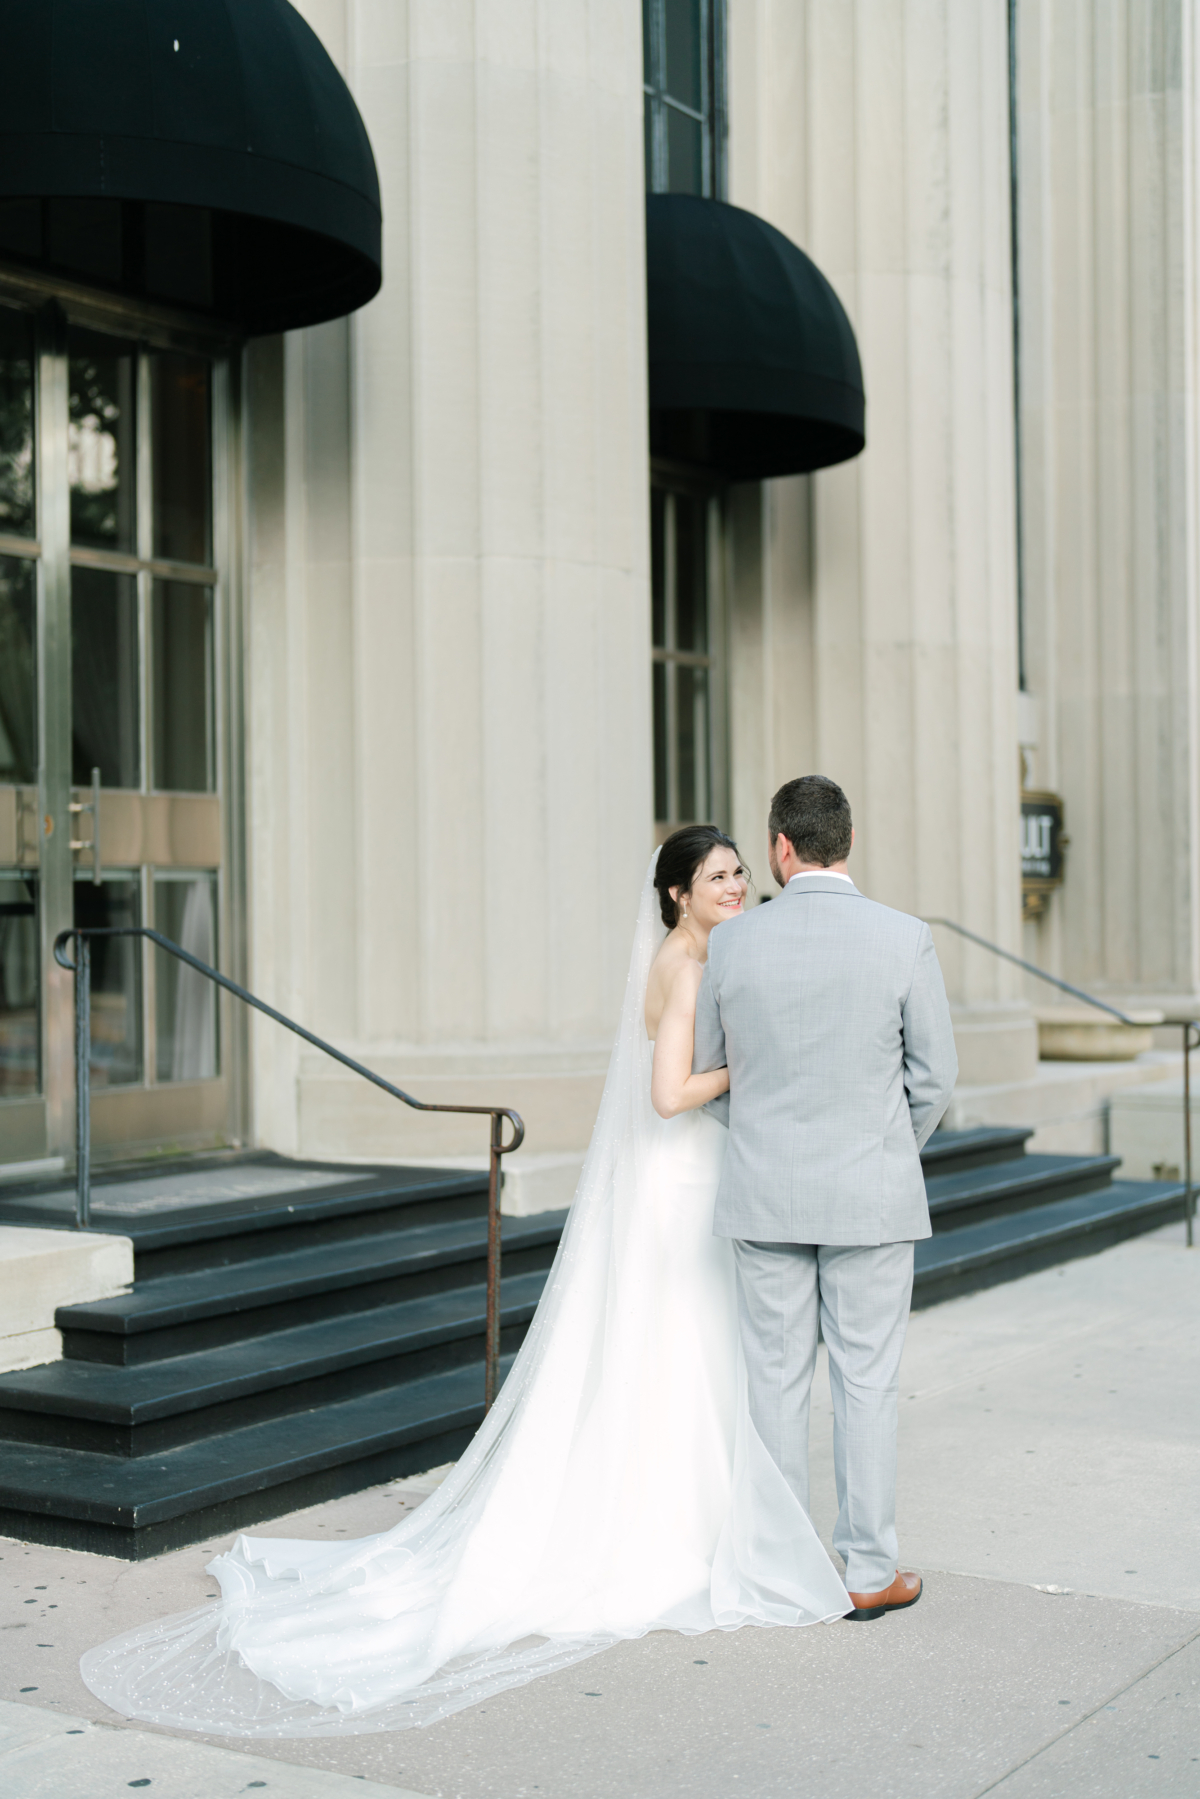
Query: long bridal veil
point(616, 1487)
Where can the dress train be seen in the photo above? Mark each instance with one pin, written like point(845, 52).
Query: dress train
point(617, 1486)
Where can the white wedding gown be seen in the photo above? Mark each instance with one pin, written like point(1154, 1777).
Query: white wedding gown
point(617, 1486)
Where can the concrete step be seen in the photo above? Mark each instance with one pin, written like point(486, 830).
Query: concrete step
point(1006, 1247)
point(953, 1152)
point(1013, 1185)
point(143, 1410)
point(176, 1314)
point(175, 1228)
point(138, 1508)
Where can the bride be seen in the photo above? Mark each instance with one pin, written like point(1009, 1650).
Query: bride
point(617, 1486)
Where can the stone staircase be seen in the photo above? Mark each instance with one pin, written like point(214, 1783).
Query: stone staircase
point(998, 1212)
point(300, 1331)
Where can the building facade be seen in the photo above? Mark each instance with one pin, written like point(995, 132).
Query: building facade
point(398, 639)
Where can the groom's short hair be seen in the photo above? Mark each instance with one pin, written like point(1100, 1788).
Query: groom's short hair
point(813, 814)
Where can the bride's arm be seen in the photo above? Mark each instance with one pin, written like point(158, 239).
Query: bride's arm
point(673, 1086)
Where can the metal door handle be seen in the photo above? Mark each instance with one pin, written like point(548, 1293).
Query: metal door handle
point(92, 843)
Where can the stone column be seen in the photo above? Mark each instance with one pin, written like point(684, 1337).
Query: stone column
point(469, 682)
point(1107, 245)
point(879, 642)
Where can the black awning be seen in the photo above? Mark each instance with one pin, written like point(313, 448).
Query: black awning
point(201, 152)
point(754, 370)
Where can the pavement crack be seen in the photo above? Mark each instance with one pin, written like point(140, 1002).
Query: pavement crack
point(1070, 1729)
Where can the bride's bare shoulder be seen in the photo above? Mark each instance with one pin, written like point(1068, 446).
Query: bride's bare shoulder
point(673, 974)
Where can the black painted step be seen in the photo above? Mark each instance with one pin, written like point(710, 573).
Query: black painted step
point(953, 1152)
point(365, 1202)
point(1004, 1248)
point(179, 1313)
point(285, 1349)
point(1013, 1185)
point(143, 1410)
point(140, 1508)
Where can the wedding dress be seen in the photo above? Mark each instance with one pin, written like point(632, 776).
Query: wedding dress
point(616, 1487)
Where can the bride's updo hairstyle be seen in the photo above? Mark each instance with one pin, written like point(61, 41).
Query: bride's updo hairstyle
point(680, 860)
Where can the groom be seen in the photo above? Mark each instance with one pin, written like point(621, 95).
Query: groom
point(832, 1017)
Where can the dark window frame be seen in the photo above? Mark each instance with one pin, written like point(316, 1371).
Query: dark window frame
point(659, 103)
point(670, 483)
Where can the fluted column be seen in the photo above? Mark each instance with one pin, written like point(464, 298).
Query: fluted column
point(1108, 233)
point(879, 643)
point(463, 872)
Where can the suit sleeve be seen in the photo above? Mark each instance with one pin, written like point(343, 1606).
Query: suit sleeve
point(930, 1061)
point(708, 1051)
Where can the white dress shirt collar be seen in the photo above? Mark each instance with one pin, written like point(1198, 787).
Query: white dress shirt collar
point(826, 874)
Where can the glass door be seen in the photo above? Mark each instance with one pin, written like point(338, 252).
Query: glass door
point(112, 729)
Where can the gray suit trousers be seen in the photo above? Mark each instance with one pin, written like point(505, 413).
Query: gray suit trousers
point(861, 1294)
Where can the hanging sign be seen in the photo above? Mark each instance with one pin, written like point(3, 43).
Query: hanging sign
point(1042, 844)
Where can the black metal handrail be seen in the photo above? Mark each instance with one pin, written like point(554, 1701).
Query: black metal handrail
point(1189, 1026)
point(81, 969)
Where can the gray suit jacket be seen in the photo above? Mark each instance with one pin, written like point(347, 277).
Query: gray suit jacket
point(831, 1014)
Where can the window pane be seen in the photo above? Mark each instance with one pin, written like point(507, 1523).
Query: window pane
point(691, 574)
point(20, 1060)
point(104, 678)
point(18, 690)
point(181, 660)
point(658, 566)
point(180, 431)
point(100, 441)
point(648, 71)
point(185, 1002)
point(681, 19)
point(16, 422)
point(116, 1059)
point(685, 153)
point(691, 738)
point(662, 786)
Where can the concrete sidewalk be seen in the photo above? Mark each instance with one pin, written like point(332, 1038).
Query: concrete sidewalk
point(1050, 1468)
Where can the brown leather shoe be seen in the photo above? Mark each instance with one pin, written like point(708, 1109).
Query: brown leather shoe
point(905, 1590)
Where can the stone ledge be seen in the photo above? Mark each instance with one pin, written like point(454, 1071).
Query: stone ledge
point(1085, 1034)
point(1146, 1129)
point(532, 1183)
point(41, 1270)
point(340, 1114)
point(1065, 1103)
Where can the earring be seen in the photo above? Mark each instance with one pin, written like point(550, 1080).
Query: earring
point(685, 911)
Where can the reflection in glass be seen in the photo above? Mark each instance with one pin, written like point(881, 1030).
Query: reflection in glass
point(692, 742)
point(685, 153)
point(691, 574)
point(18, 689)
point(181, 435)
point(116, 1059)
point(185, 1002)
point(16, 422)
point(683, 35)
point(181, 660)
point(100, 441)
point(20, 1060)
point(104, 678)
point(662, 797)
